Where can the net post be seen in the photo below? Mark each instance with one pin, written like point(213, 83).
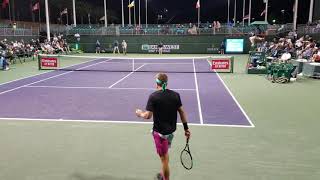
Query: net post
point(132, 64)
point(39, 62)
point(232, 63)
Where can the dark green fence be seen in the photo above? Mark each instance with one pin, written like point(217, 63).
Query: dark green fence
point(147, 44)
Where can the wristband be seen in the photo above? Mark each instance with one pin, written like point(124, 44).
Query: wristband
point(185, 126)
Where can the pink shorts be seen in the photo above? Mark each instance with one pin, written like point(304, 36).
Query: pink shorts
point(162, 142)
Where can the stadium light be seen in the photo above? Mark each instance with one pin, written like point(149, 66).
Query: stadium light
point(146, 13)
point(47, 20)
point(74, 13)
point(311, 11)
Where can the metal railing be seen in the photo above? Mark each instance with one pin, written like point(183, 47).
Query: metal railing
point(19, 32)
point(153, 29)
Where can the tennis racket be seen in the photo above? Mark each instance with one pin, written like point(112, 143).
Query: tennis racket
point(185, 157)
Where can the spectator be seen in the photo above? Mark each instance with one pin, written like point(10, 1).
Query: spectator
point(222, 47)
point(285, 57)
point(5, 64)
point(316, 57)
point(218, 26)
point(3, 55)
point(193, 30)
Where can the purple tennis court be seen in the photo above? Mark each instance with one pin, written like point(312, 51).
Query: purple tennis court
point(87, 93)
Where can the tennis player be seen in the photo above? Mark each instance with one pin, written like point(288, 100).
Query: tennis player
point(124, 47)
point(160, 47)
point(116, 47)
point(163, 105)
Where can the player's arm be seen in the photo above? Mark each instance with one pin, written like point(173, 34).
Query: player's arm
point(149, 109)
point(144, 114)
point(183, 117)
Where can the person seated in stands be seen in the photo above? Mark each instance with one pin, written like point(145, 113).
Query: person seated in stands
point(214, 26)
point(290, 49)
point(58, 47)
point(265, 47)
point(65, 46)
point(317, 29)
point(47, 48)
point(308, 51)
point(28, 50)
point(218, 26)
point(274, 51)
point(285, 57)
point(316, 57)
point(138, 29)
point(55, 38)
point(193, 30)
point(255, 40)
point(9, 55)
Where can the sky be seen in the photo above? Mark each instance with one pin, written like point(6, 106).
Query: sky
point(176, 11)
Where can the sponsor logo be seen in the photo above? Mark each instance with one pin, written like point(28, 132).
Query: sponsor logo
point(221, 64)
point(154, 47)
point(49, 62)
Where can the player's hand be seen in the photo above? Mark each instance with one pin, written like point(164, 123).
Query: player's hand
point(138, 112)
point(187, 133)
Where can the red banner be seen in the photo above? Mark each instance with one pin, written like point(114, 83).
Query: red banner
point(221, 64)
point(49, 62)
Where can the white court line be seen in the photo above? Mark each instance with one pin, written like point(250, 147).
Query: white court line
point(154, 89)
point(197, 90)
point(126, 76)
point(77, 87)
point(48, 71)
point(50, 78)
point(234, 98)
point(164, 63)
point(146, 63)
point(118, 122)
point(125, 58)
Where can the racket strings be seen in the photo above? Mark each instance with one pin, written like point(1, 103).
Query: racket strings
point(186, 159)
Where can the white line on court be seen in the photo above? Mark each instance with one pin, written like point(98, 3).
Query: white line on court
point(118, 122)
point(50, 77)
point(126, 76)
point(152, 89)
point(197, 90)
point(105, 88)
point(147, 63)
point(234, 98)
point(49, 71)
point(112, 57)
point(165, 63)
point(238, 104)
point(96, 58)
